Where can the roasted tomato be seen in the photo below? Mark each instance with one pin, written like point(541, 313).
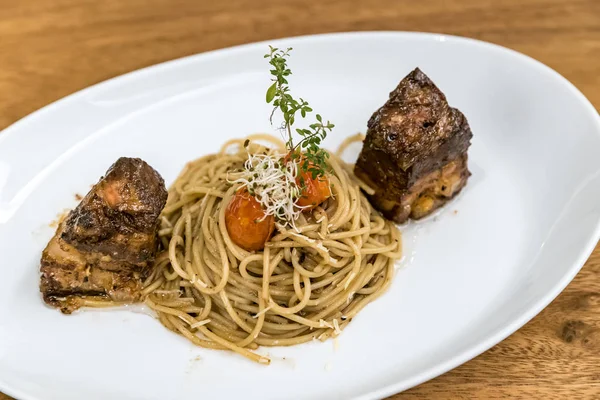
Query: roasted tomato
point(246, 222)
point(315, 190)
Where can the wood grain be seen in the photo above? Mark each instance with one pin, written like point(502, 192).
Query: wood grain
point(51, 48)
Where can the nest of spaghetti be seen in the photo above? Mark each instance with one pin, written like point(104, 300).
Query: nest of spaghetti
point(307, 283)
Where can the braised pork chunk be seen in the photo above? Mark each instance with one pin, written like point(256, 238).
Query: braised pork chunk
point(415, 151)
point(107, 244)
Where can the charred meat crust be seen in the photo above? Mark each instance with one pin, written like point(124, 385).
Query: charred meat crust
point(118, 218)
point(412, 135)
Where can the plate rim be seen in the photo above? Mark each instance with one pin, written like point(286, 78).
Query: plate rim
point(470, 352)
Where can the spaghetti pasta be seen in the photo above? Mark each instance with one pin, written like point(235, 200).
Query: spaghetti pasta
point(308, 282)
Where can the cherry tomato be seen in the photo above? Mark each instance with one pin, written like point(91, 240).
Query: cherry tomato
point(315, 190)
point(246, 222)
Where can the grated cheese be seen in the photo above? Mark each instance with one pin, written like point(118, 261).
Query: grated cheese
point(258, 314)
point(301, 236)
point(350, 297)
point(350, 279)
point(320, 246)
point(336, 327)
point(264, 360)
point(325, 324)
point(195, 279)
point(199, 323)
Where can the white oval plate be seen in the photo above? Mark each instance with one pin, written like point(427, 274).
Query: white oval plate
point(479, 270)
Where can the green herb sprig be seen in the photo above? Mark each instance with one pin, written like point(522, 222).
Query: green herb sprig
point(279, 95)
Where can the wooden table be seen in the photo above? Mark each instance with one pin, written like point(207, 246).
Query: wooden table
point(51, 48)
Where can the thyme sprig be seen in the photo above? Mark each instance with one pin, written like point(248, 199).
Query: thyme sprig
point(279, 95)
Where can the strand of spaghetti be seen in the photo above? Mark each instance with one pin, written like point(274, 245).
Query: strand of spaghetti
point(99, 302)
point(266, 274)
point(258, 327)
point(349, 234)
point(310, 274)
point(233, 314)
point(293, 310)
point(377, 250)
point(180, 326)
point(153, 286)
point(240, 350)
